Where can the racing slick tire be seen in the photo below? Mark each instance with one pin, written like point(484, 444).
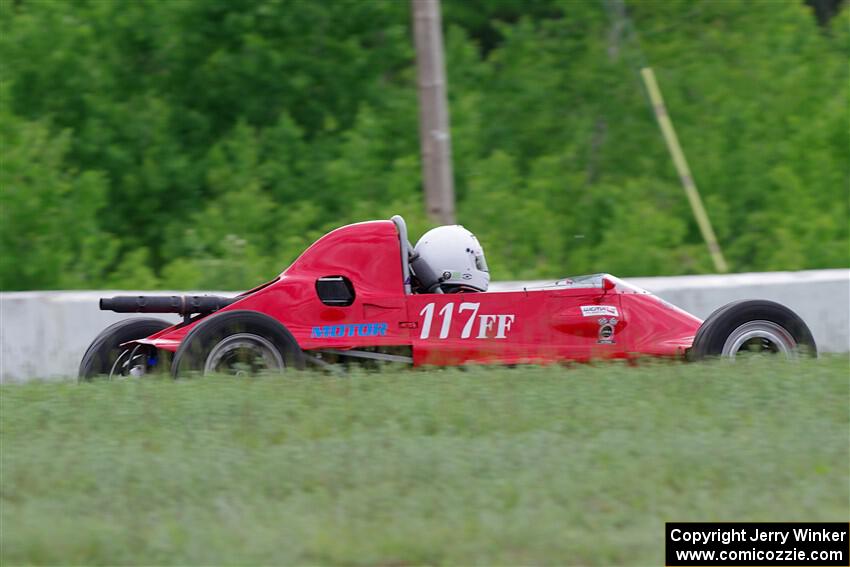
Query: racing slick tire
point(237, 343)
point(106, 347)
point(749, 326)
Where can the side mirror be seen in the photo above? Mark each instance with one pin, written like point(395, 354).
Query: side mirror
point(608, 284)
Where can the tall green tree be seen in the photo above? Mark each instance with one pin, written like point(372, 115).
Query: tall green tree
point(205, 143)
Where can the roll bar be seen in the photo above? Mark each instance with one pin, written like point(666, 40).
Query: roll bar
point(404, 246)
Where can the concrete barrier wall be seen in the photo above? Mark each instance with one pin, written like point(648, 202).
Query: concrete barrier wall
point(44, 334)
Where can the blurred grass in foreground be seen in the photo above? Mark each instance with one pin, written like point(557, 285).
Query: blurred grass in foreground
point(578, 465)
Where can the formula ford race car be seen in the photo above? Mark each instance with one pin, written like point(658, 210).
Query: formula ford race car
point(363, 293)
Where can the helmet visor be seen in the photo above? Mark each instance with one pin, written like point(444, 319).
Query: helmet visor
point(481, 263)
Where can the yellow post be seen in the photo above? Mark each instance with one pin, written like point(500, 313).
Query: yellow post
point(682, 168)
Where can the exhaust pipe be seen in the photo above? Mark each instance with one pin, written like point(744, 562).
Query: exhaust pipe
point(182, 304)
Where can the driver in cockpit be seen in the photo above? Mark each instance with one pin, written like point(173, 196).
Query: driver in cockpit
point(449, 259)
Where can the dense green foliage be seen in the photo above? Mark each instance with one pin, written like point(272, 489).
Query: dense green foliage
point(526, 466)
point(205, 143)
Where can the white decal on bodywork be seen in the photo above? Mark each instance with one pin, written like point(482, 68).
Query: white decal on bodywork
point(490, 325)
point(599, 311)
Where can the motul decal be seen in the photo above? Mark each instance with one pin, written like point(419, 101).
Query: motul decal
point(599, 311)
point(475, 325)
point(356, 330)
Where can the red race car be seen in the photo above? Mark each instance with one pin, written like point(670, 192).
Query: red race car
point(363, 293)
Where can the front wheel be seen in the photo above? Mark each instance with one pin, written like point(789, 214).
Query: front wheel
point(753, 327)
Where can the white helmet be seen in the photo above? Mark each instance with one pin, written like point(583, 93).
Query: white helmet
point(450, 258)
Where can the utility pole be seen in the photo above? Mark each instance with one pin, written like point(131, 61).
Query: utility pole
point(434, 135)
point(620, 22)
point(669, 133)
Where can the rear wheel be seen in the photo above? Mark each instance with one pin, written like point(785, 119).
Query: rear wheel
point(755, 327)
point(105, 356)
point(237, 343)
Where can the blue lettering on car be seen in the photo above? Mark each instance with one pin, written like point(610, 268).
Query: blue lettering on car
point(350, 330)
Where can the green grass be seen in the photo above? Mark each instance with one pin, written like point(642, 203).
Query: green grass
point(578, 465)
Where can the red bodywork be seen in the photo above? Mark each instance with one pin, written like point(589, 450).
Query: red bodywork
point(589, 317)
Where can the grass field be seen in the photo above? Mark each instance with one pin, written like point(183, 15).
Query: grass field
point(566, 466)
